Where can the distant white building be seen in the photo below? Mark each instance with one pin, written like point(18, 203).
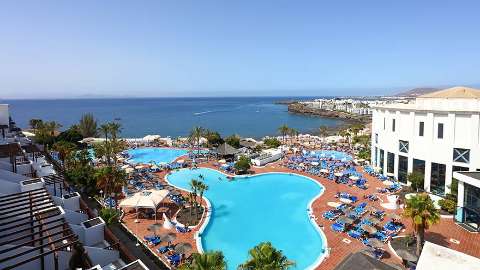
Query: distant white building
point(435, 135)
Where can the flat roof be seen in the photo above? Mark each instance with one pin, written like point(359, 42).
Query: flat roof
point(443, 258)
point(475, 174)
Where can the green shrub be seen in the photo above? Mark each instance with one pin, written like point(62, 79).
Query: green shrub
point(448, 205)
point(272, 142)
point(109, 215)
point(243, 164)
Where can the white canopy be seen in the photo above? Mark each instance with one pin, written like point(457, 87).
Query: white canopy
point(151, 137)
point(145, 199)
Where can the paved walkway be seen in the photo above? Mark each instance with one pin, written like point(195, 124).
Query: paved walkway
point(340, 244)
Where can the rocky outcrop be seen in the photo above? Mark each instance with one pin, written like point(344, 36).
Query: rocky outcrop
point(305, 110)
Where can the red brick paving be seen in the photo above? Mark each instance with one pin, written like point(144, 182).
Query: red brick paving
point(439, 234)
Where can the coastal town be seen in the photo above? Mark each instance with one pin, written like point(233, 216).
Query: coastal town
point(397, 188)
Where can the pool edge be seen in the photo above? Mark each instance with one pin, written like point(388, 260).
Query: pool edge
point(198, 238)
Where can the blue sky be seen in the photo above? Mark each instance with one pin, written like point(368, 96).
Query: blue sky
point(232, 48)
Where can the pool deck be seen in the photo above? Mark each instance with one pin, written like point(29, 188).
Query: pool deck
point(440, 234)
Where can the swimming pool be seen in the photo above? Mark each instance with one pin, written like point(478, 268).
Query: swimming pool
point(267, 207)
point(331, 154)
point(158, 155)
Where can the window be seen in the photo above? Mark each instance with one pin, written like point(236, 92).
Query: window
point(440, 131)
point(390, 162)
point(419, 166)
point(402, 169)
point(382, 160)
point(437, 179)
point(461, 155)
point(403, 146)
point(421, 128)
point(384, 123)
point(393, 125)
point(376, 137)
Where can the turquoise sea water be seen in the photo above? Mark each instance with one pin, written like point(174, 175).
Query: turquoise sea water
point(248, 116)
point(157, 155)
point(247, 211)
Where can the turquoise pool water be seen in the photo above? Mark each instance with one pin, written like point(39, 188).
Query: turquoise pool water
point(247, 211)
point(158, 155)
point(331, 153)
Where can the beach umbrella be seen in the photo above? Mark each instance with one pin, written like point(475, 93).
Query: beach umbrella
point(324, 171)
point(394, 216)
point(406, 255)
point(369, 229)
point(375, 243)
point(167, 237)
point(333, 204)
point(167, 224)
point(154, 227)
point(345, 200)
point(183, 248)
point(345, 220)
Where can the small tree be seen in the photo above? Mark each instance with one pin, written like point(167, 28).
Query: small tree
point(242, 165)
point(416, 179)
point(283, 130)
point(266, 257)
point(210, 260)
point(109, 215)
point(323, 130)
point(233, 140)
point(272, 142)
point(421, 210)
point(88, 125)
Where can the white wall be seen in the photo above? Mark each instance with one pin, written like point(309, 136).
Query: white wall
point(461, 130)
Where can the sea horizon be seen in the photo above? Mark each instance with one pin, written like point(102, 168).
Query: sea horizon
point(174, 116)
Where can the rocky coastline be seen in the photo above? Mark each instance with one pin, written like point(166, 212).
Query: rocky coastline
point(348, 118)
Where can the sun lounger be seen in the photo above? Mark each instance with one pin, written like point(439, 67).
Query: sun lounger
point(182, 229)
point(337, 227)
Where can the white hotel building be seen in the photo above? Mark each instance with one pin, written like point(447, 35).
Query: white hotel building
point(436, 135)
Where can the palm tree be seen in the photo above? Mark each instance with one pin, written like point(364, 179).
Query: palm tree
point(88, 125)
point(115, 129)
point(323, 130)
point(283, 129)
point(64, 149)
point(202, 187)
point(266, 257)
point(102, 176)
point(35, 124)
point(194, 185)
point(195, 135)
point(293, 133)
point(421, 210)
point(105, 130)
point(211, 260)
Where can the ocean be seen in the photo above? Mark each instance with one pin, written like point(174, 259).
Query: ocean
point(247, 116)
